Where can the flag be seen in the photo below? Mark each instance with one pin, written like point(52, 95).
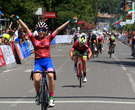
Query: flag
point(118, 22)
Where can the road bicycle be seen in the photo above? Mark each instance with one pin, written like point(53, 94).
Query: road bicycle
point(93, 49)
point(80, 68)
point(44, 89)
point(111, 50)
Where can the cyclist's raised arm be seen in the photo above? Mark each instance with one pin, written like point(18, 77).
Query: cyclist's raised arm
point(21, 23)
point(64, 25)
point(10, 25)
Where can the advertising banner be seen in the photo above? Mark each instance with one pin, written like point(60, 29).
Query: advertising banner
point(25, 49)
point(2, 60)
point(19, 51)
point(50, 15)
point(63, 38)
point(8, 54)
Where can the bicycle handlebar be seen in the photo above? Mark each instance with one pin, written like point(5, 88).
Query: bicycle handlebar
point(80, 55)
point(43, 72)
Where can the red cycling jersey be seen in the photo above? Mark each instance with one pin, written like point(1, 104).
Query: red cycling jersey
point(41, 45)
point(78, 48)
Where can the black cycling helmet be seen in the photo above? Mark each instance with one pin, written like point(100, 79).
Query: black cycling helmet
point(42, 25)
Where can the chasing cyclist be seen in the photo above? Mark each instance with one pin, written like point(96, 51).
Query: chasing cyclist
point(111, 41)
point(75, 38)
point(41, 45)
point(100, 41)
point(132, 43)
point(81, 47)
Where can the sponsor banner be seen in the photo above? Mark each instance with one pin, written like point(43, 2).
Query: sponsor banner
point(30, 45)
point(23, 50)
point(19, 51)
point(8, 54)
point(50, 15)
point(53, 41)
point(2, 60)
point(63, 38)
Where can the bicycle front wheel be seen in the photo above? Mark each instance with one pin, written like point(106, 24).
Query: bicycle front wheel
point(80, 70)
point(44, 104)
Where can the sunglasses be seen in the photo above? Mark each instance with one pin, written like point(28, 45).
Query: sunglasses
point(39, 30)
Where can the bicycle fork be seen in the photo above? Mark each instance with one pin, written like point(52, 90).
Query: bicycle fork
point(80, 67)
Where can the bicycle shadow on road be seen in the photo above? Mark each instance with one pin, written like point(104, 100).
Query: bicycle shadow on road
point(72, 86)
point(125, 63)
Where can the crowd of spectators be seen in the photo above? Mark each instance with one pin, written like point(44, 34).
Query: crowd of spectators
point(125, 35)
point(10, 35)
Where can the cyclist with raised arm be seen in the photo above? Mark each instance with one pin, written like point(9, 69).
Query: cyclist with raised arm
point(43, 60)
point(111, 41)
point(132, 43)
point(81, 47)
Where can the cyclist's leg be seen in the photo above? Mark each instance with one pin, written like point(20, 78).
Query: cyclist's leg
point(37, 79)
point(37, 76)
point(84, 67)
point(75, 60)
point(50, 67)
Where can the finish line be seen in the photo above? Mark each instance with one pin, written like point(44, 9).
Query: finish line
point(59, 102)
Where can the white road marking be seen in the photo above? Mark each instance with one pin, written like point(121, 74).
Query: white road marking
point(17, 102)
point(14, 103)
point(28, 70)
point(7, 70)
point(130, 77)
point(62, 64)
point(131, 81)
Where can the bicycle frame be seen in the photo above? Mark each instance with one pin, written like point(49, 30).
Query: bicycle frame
point(111, 49)
point(79, 68)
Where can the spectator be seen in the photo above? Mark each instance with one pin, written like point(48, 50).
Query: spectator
point(129, 35)
point(6, 38)
point(1, 13)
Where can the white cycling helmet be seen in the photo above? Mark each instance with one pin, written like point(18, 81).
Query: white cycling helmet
point(82, 38)
point(42, 25)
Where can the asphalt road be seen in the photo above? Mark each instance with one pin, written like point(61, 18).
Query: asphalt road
point(110, 85)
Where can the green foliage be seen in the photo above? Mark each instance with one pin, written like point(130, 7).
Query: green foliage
point(25, 9)
point(108, 6)
point(65, 9)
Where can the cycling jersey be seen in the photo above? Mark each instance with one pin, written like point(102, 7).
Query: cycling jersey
point(41, 45)
point(93, 37)
point(82, 49)
point(112, 40)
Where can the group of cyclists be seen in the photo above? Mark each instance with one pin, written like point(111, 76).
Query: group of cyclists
point(95, 40)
